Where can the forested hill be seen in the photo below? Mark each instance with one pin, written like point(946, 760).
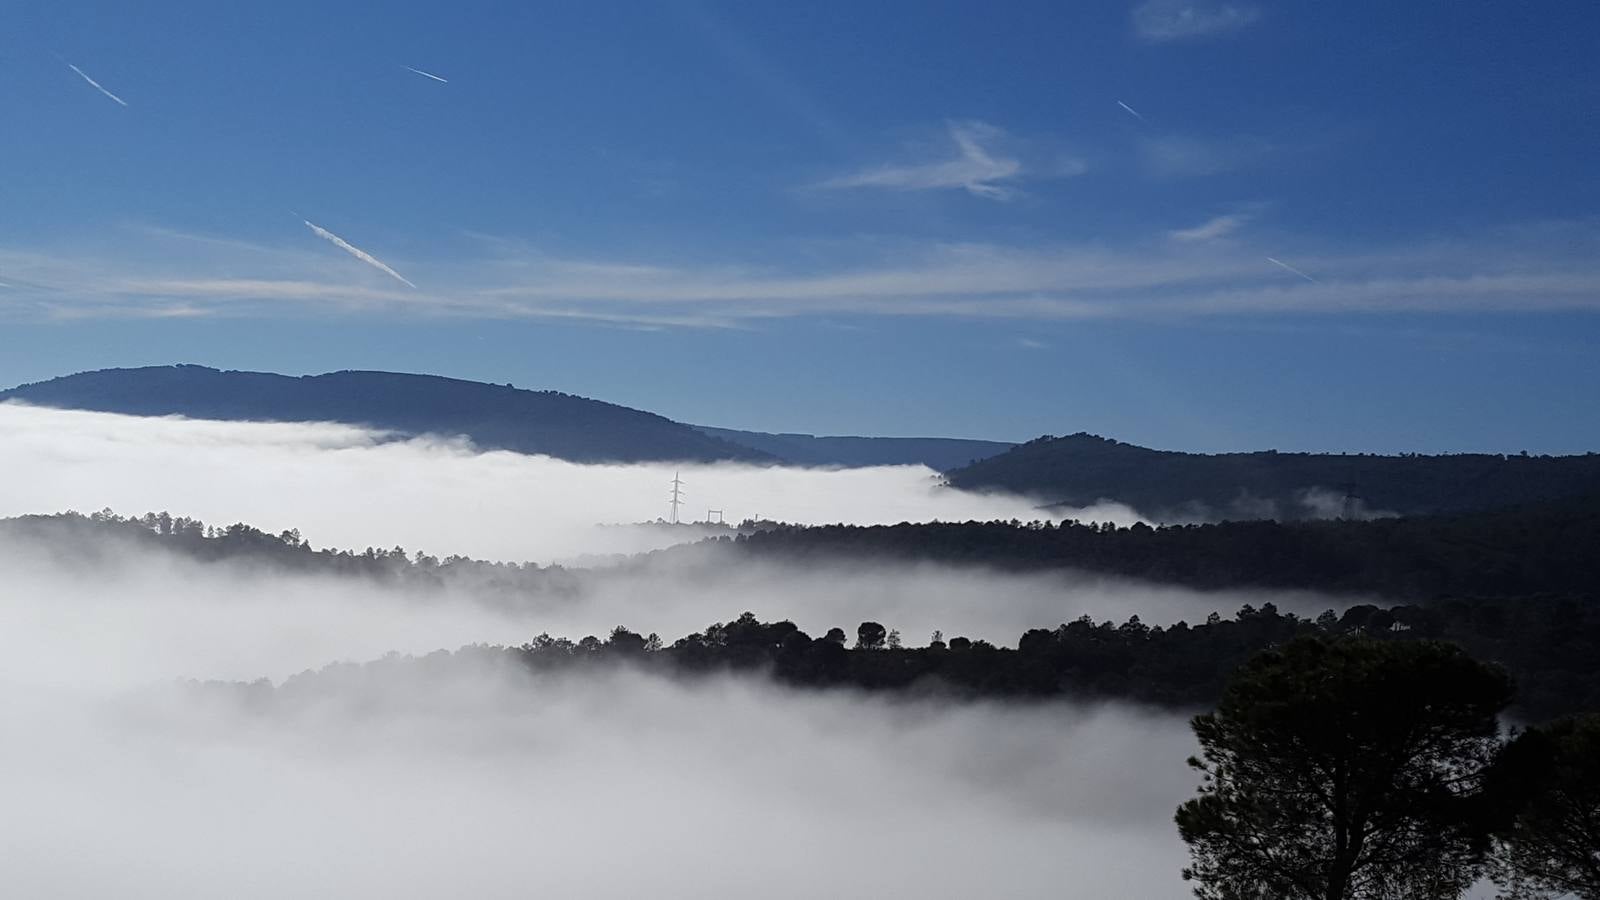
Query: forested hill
point(1536, 549)
point(1517, 587)
point(1172, 486)
point(939, 454)
point(494, 417)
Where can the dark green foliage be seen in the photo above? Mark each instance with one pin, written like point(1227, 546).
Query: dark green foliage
point(1083, 469)
point(939, 454)
point(870, 635)
point(1547, 548)
point(1344, 770)
point(495, 417)
point(1549, 641)
point(1550, 778)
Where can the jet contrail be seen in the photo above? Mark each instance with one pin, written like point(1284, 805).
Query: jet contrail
point(95, 84)
point(357, 252)
point(427, 75)
point(1288, 268)
point(1131, 111)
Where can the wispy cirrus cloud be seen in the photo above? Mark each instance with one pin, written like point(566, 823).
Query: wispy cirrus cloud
point(1179, 20)
point(1186, 156)
point(1164, 276)
point(1212, 228)
point(978, 167)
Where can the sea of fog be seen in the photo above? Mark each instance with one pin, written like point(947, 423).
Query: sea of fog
point(488, 783)
point(348, 487)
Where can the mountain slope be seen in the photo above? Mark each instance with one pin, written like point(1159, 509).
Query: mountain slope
point(939, 454)
point(497, 417)
point(1082, 468)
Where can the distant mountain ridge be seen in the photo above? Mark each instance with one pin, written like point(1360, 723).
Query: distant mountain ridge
point(939, 454)
point(494, 417)
point(1081, 469)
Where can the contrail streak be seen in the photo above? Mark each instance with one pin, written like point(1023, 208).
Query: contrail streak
point(96, 85)
point(1288, 268)
point(427, 75)
point(1131, 111)
point(357, 252)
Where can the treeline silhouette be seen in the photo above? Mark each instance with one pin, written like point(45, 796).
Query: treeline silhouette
point(1180, 666)
point(1543, 548)
point(1514, 587)
point(1082, 469)
point(1341, 737)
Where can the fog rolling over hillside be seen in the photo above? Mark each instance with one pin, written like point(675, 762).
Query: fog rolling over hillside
point(349, 487)
point(615, 786)
point(420, 779)
point(1174, 486)
point(492, 416)
point(83, 590)
point(825, 450)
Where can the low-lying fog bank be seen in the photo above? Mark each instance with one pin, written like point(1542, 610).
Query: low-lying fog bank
point(77, 603)
point(610, 785)
point(346, 487)
point(485, 780)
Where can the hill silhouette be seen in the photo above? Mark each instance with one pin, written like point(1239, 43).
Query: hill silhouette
point(493, 417)
point(1082, 468)
point(939, 454)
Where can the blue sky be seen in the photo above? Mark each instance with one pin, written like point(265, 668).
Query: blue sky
point(1206, 225)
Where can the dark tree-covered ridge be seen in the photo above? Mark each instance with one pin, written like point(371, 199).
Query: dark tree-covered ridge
point(1081, 469)
point(1538, 548)
point(939, 454)
point(1539, 616)
point(492, 416)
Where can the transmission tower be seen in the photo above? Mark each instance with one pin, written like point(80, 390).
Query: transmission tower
point(1348, 512)
point(677, 496)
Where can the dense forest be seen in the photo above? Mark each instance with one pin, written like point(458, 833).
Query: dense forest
point(1531, 549)
point(1549, 646)
point(1082, 469)
point(1514, 587)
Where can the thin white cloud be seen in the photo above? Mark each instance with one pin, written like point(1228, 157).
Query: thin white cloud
point(977, 168)
point(1028, 343)
point(96, 85)
point(1182, 156)
point(1131, 111)
point(1165, 276)
point(1177, 20)
point(1211, 229)
point(427, 75)
point(357, 252)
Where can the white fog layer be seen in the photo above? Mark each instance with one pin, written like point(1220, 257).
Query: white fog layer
point(485, 781)
point(345, 487)
point(614, 786)
point(488, 782)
